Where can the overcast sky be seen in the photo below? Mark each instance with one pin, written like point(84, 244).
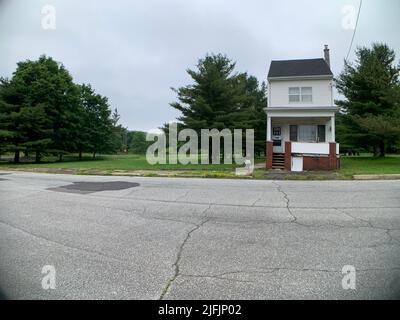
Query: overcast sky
point(134, 51)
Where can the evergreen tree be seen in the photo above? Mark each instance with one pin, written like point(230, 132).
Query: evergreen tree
point(10, 137)
point(44, 112)
point(371, 112)
point(6, 132)
point(254, 112)
point(42, 108)
point(120, 134)
point(220, 98)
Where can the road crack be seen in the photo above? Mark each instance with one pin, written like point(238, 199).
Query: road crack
point(287, 200)
point(176, 264)
point(370, 225)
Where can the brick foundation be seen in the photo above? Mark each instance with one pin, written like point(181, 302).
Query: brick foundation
point(288, 155)
point(328, 162)
point(322, 162)
point(269, 153)
point(316, 163)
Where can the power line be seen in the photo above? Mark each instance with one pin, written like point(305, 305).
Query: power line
point(355, 28)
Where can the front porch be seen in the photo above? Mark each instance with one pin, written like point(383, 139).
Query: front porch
point(302, 143)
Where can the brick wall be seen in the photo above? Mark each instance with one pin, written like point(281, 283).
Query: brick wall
point(332, 156)
point(269, 153)
point(288, 155)
point(328, 162)
point(316, 163)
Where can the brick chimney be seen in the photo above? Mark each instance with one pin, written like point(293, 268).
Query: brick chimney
point(326, 55)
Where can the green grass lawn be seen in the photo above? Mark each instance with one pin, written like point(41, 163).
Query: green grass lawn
point(114, 162)
point(370, 165)
point(107, 164)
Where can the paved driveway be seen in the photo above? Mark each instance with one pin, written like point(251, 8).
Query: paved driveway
point(152, 238)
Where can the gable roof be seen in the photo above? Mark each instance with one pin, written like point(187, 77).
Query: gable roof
point(299, 68)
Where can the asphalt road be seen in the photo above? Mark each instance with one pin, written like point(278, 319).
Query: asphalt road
point(165, 238)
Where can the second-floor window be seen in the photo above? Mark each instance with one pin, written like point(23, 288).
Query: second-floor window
point(300, 94)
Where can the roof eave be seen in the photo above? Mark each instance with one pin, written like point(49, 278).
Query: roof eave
point(312, 77)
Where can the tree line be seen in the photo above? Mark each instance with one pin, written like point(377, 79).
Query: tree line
point(43, 112)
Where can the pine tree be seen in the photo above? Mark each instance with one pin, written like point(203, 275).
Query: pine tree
point(44, 112)
point(8, 128)
point(254, 112)
point(221, 98)
point(14, 115)
point(371, 112)
point(42, 117)
point(120, 134)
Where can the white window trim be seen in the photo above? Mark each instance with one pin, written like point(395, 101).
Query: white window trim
point(316, 138)
point(300, 95)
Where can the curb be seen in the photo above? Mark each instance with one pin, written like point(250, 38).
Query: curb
point(394, 176)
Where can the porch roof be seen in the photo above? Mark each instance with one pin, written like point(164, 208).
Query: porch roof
point(297, 108)
point(299, 120)
point(301, 112)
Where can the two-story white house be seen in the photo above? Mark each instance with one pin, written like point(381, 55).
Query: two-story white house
point(301, 115)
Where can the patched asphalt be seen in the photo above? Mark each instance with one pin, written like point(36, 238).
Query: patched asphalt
point(84, 187)
point(171, 238)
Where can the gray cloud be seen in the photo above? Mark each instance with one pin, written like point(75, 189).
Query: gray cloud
point(134, 51)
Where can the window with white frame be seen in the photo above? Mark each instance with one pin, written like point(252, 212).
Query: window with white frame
point(307, 133)
point(300, 94)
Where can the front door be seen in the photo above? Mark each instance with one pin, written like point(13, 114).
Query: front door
point(277, 139)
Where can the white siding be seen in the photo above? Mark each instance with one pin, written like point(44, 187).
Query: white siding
point(321, 91)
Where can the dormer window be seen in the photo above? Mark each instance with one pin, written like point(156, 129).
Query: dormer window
point(300, 94)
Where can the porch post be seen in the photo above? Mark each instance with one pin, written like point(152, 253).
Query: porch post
point(333, 162)
point(268, 128)
point(288, 155)
point(269, 155)
point(333, 138)
point(269, 151)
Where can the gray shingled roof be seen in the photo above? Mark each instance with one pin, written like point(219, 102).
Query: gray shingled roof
point(298, 68)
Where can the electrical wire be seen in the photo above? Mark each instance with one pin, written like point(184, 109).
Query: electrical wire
point(355, 28)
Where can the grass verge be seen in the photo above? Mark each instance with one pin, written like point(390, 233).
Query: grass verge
point(136, 165)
